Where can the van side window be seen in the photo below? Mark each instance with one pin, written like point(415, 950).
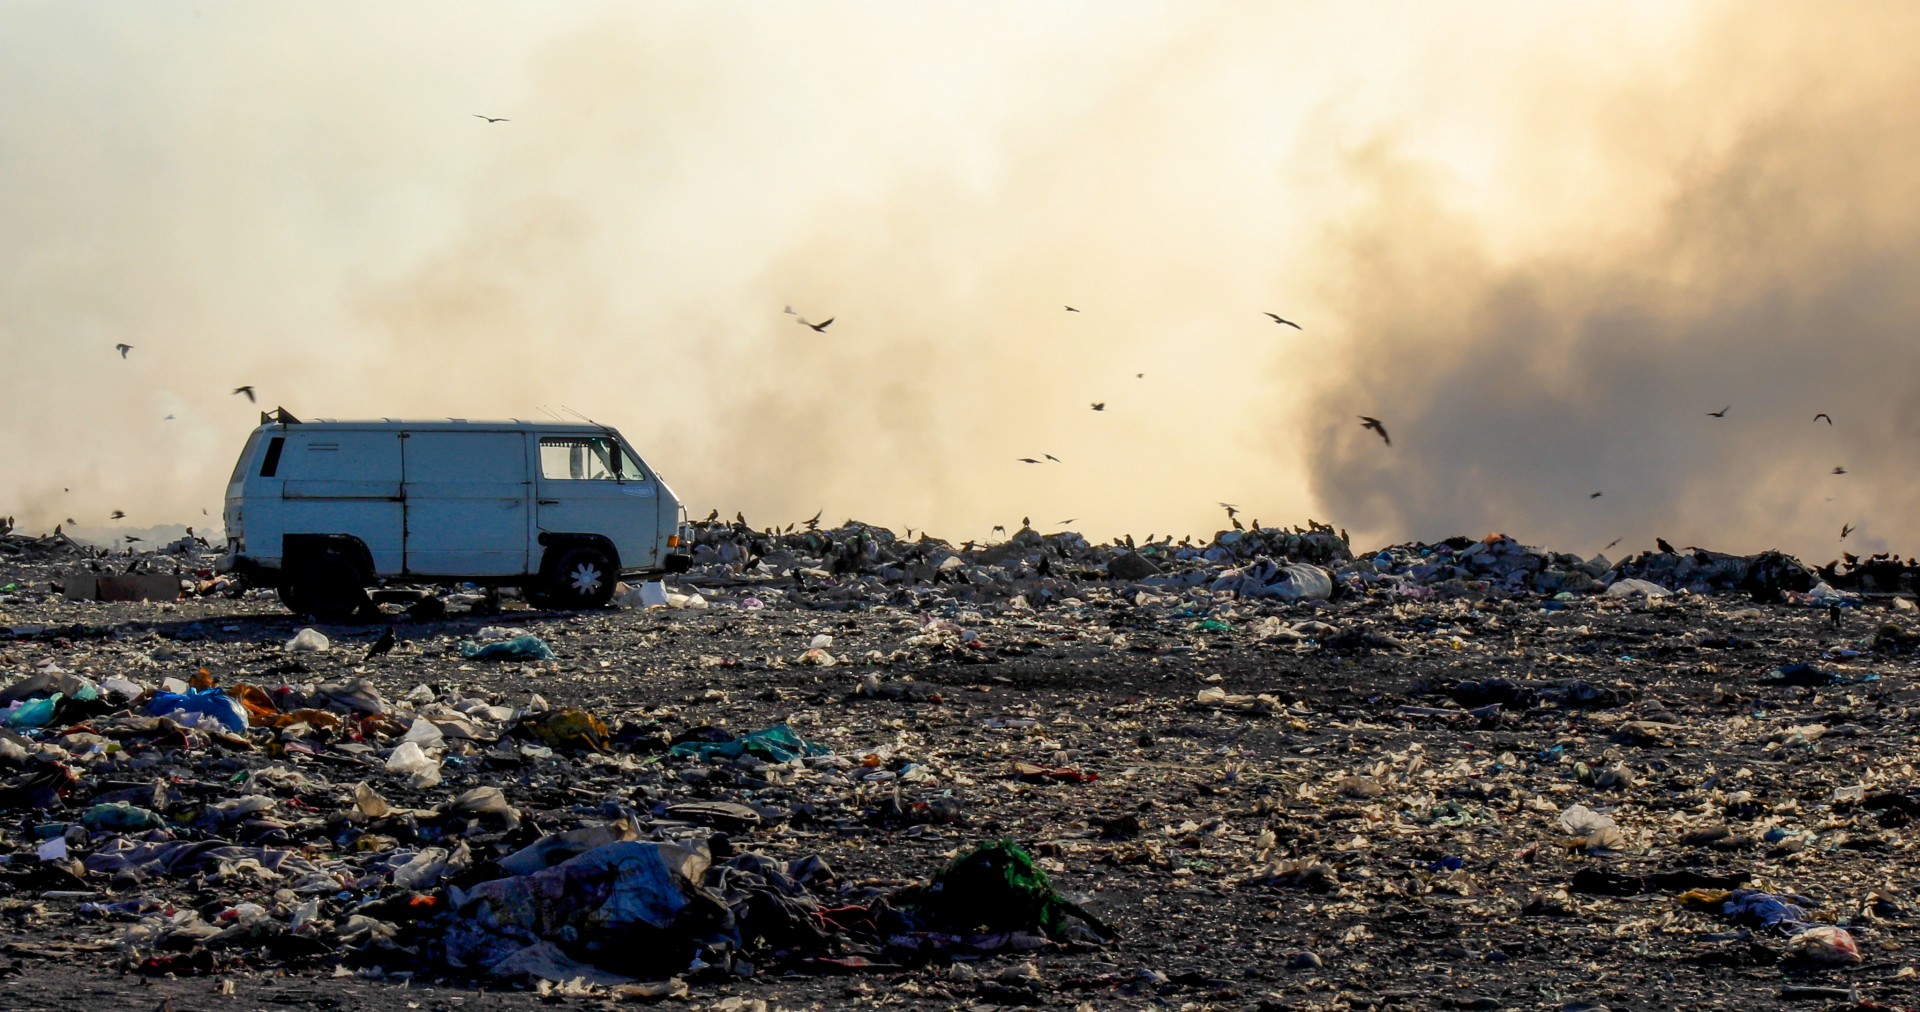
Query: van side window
point(272, 461)
point(587, 458)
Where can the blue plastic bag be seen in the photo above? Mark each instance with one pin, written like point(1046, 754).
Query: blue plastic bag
point(34, 712)
point(775, 744)
point(525, 647)
point(212, 702)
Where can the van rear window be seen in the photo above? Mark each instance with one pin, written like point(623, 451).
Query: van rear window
point(272, 462)
point(246, 459)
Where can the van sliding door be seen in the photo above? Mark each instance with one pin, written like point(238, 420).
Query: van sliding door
point(467, 503)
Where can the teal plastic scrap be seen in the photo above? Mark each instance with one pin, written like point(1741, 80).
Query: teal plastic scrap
point(525, 647)
point(775, 744)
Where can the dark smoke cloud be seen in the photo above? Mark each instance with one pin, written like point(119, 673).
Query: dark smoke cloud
point(1775, 274)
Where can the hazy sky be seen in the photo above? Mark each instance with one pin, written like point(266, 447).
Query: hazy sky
point(1539, 241)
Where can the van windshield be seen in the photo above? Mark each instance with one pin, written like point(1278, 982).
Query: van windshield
point(246, 457)
point(587, 458)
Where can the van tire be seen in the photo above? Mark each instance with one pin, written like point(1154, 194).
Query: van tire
point(327, 587)
point(582, 578)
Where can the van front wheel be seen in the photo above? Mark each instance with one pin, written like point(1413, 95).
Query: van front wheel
point(582, 578)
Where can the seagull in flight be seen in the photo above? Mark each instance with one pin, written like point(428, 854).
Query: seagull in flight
point(1845, 529)
point(1053, 458)
point(1824, 415)
point(119, 514)
point(1374, 424)
point(1027, 460)
point(821, 327)
point(1722, 413)
point(1070, 309)
point(1275, 317)
point(1839, 470)
point(1593, 495)
point(1099, 405)
point(248, 391)
point(1615, 541)
point(492, 119)
point(123, 349)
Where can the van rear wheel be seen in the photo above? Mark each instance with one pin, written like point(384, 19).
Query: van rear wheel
point(328, 588)
point(582, 578)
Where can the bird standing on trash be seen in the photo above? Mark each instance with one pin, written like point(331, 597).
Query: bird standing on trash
point(383, 645)
point(1667, 548)
point(123, 349)
point(248, 391)
point(1367, 422)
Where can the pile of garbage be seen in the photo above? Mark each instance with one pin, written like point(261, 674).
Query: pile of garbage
point(839, 765)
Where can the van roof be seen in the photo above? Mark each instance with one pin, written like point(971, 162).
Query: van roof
point(382, 424)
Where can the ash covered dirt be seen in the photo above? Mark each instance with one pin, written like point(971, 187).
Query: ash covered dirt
point(1351, 803)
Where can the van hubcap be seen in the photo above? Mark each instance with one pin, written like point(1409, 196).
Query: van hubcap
point(585, 578)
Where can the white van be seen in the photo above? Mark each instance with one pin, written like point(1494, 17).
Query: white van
point(324, 509)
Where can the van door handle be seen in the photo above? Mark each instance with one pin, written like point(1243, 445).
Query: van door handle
point(547, 502)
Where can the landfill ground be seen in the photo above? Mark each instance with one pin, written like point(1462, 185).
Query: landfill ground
point(1371, 801)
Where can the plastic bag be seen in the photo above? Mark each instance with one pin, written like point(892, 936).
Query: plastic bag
point(211, 702)
point(777, 744)
point(1825, 945)
point(308, 641)
point(525, 647)
point(421, 769)
point(34, 712)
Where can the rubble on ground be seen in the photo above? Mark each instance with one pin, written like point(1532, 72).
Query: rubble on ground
point(839, 766)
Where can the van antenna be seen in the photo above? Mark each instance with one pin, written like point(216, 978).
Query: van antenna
point(550, 412)
point(578, 415)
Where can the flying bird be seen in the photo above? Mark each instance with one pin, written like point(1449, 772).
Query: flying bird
point(1615, 541)
point(1276, 318)
point(1099, 405)
point(123, 349)
point(493, 119)
point(119, 515)
point(790, 311)
point(1070, 309)
point(1053, 458)
point(1067, 521)
point(1722, 413)
point(998, 529)
point(248, 391)
point(169, 418)
point(1824, 415)
point(821, 327)
point(1230, 508)
point(1139, 375)
point(381, 646)
point(1027, 460)
point(1667, 548)
point(815, 520)
point(1374, 424)
point(1593, 495)
point(1845, 529)
point(131, 539)
point(1839, 470)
